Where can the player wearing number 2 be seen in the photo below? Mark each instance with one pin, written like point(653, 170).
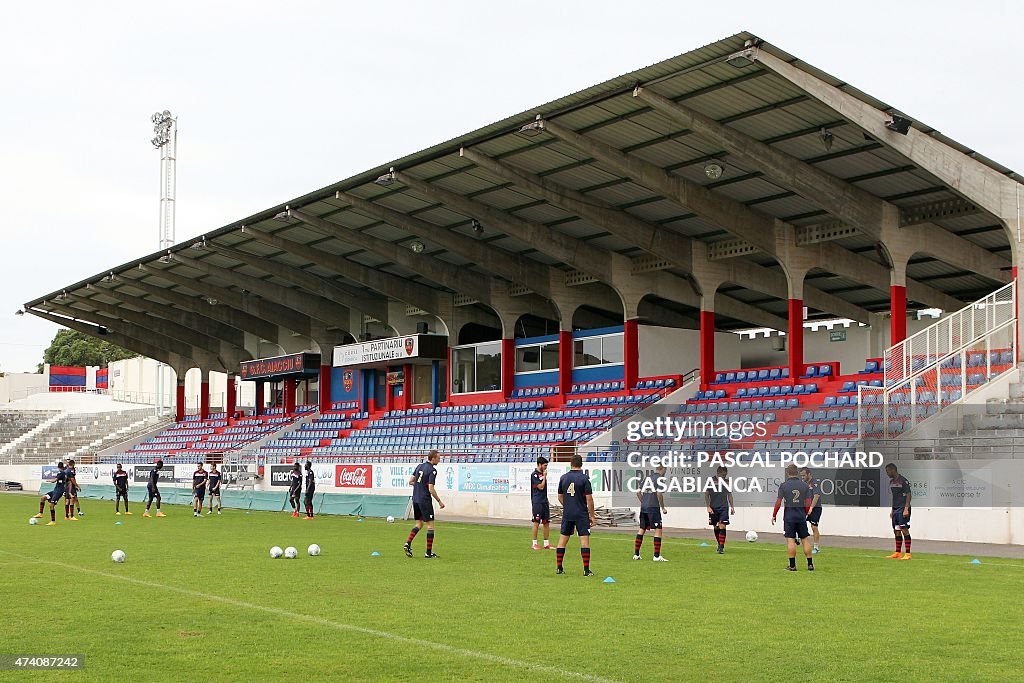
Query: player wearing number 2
point(798, 498)
point(576, 497)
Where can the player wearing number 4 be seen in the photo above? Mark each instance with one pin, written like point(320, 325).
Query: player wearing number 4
point(797, 496)
point(900, 515)
point(652, 507)
point(576, 497)
point(422, 480)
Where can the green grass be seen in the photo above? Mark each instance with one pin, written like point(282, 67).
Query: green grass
point(493, 608)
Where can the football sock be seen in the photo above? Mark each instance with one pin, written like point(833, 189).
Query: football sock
point(657, 547)
point(412, 534)
point(792, 562)
point(67, 510)
point(430, 541)
point(585, 553)
point(810, 562)
point(639, 542)
point(906, 543)
point(723, 536)
point(42, 504)
point(899, 542)
point(53, 514)
point(559, 556)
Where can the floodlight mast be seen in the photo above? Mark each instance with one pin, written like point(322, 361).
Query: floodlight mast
point(165, 139)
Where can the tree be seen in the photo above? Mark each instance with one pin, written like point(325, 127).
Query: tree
point(76, 349)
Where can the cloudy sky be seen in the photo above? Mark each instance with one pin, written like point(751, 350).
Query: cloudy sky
point(277, 99)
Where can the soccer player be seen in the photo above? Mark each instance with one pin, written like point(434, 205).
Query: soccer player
point(310, 489)
point(815, 516)
point(899, 487)
point(539, 499)
point(199, 479)
point(214, 485)
point(71, 494)
point(295, 488)
point(720, 504)
point(152, 492)
point(120, 489)
point(576, 497)
point(422, 481)
point(60, 483)
point(652, 507)
point(797, 497)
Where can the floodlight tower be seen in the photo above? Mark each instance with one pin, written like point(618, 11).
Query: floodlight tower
point(165, 139)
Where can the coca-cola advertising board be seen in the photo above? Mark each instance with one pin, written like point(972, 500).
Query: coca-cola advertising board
point(353, 476)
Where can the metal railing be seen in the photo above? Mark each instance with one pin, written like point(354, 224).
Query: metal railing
point(941, 366)
point(956, 331)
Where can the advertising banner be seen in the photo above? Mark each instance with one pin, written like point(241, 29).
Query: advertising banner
point(353, 476)
point(280, 475)
point(484, 479)
point(141, 474)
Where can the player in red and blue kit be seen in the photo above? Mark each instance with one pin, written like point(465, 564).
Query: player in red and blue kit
point(213, 484)
point(423, 495)
point(652, 506)
point(815, 517)
point(576, 496)
point(795, 493)
point(60, 484)
point(71, 494)
point(310, 490)
point(295, 488)
point(152, 490)
point(199, 479)
point(899, 488)
point(539, 502)
point(720, 503)
point(120, 478)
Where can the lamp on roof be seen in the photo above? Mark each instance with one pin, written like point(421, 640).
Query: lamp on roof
point(387, 179)
point(417, 246)
point(714, 169)
point(827, 138)
point(478, 229)
point(282, 216)
point(534, 128)
point(898, 124)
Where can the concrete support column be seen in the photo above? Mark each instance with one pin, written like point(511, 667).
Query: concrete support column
point(630, 353)
point(407, 388)
point(179, 399)
point(204, 396)
point(289, 397)
point(707, 339)
point(325, 388)
point(229, 398)
point(795, 337)
point(389, 392)
point(565, 357)
point(508, 366)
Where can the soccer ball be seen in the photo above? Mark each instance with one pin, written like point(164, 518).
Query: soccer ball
point(390, 519)
point(751, 536)
point(276, 552)
point(33, 520)
point(290, 553)
point(117, 556)
point(313, 550)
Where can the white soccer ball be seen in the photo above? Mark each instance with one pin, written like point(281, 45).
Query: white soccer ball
point(276, 552)
point(313, 550)
point(290, 553)
point(33, 521)
point(751, 536)
point(117, 556)
point(390, 519)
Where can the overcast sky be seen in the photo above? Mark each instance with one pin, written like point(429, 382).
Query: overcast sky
point(277, 99)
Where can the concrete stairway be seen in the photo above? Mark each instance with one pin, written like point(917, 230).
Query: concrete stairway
point(994, 429)
point(75, 435)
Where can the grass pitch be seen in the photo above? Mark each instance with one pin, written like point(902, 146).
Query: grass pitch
point(200, 599)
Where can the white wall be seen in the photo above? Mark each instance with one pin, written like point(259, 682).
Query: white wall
point(672, 351)
point(15, 386)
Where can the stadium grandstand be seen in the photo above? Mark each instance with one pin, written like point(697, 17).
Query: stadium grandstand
point(673, 236)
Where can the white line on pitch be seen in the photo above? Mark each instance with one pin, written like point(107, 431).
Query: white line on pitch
point(450, 649)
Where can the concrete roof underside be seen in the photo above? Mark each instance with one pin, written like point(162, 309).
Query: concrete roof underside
point(745, 97)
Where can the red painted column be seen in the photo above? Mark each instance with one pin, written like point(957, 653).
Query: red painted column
point(407, 388)
point(204, 400)
point(258, 409)
point(289, 397)
point(229, 398)
point(898, 319)
point(325, 388)
point(795, 333)
point(389, 392)
point(508, 367)
point(179, 399)
point(565, 356)
point(707, 347)
point(631, 353)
